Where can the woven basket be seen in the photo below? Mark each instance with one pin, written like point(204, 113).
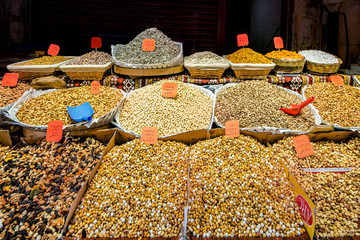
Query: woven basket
point(251, 71)
point(288, 65)
point(86, 72)
point(202, 73)
point(317, 68)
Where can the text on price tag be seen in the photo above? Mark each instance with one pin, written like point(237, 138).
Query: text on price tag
point(278, 42)
point(337, 80)
point(149, 135)
point(242, 40)
point(232, 128)
point(54, 50)
point(95, 87)
point(303, 146)
point(148, 45)
point(169, 90)
point(96, 42)
point(54, 131)
point(10, 79)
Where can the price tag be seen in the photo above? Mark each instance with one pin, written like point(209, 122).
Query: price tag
point(95, 87)
point(149, 135)
point(303, 146)
point(278, 42)
point(305, 210)
point(96, 42)
point(54, 131)
point(242, 40)
point(232, 128)
point(53, 50)
point(337, 80)
point(169, 90)
point(10, 79)
point(148, 45)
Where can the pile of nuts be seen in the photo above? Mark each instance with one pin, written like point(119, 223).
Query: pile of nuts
point(320, 57)
point(92, 58)
point(247, 55)
point(52, 106)
point(138, 191)
point(284, 54)
point(205, 57)
point(45, 60)
point(238, 189)
point(336, 105)
point(165, 49)
point(190, 110)
point(9, 95)
point(328, 154)
point(37, 188)
point(257, 104)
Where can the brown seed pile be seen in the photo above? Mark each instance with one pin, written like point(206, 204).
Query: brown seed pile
point(9, 95)
point(45, 60)
point(138, 191)
point(52, 106)
point(247, 55)
point(37, 189)
point(336, 105)
point(239, 189)
point(92, 58)
point(257, 104)
point(336, 196)
point(190, 110)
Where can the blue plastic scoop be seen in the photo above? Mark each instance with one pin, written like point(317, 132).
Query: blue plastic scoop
point(81, 113)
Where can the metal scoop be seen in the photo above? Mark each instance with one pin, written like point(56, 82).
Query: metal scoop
point(296, 108)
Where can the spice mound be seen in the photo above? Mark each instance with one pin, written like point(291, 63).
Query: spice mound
point(52, 106)
point(258, 103)
point(45, 60)
point(165, 49)
point(138, 191)
point(247, 55)
point(37, 189)
point(190, 110)
point(205, 57)
point(10, 95)
point(336, 105)
point(238, 189)
point(320, 57)
point(92, 58)
point(284, 54)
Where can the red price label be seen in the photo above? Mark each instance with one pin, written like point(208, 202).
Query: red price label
point(278, 42)
point(53, 50)
point(10, 79)
point(95, 87)
point(242, 40)
point(169, 90)
point(305, 210)
point(54, 131)
point(96, 42)
point(232, 128)
point(149, 135)
point(148, 45)
point(337, 80)
point(303, 146)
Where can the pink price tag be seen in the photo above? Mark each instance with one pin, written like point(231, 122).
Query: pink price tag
point(54, 131)
point(10, 79)
point(53, 50)
point(278, 42)
point(242, 40)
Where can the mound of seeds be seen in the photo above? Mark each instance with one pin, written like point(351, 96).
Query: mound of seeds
point(238, 189)
point(165, 49)
point(190, 110)
point(9, 95)
point(92, 58)
point(247, 55)
point(45, 60)
point(52, 106)
point(317, 56)
point(37, 189)
point(336, 105)
point(328, 154)
point(138, 191)
point(205, 57)
point(257, 104)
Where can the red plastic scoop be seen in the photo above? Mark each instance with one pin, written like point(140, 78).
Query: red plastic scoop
point(296, 108)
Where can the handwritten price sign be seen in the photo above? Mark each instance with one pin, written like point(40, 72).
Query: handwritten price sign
point(169, 90)
point(303, 146)
point(278, 42)
point(95, 87)
point(54, 131)
point(337, 80)
point(242, 40)
point(54, 50)
point(10, 79)
point(148, 45)
point(232, 128)
point(149, 135)
point(96, 42)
